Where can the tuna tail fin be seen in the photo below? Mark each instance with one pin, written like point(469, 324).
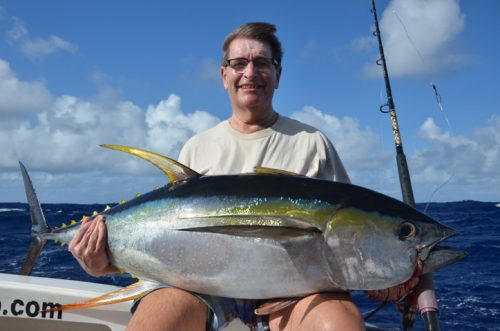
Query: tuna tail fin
point(38, 224)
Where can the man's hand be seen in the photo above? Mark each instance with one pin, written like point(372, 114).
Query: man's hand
point(394, 293)
point(89, 247)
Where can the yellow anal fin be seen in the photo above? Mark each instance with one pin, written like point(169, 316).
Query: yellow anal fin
point(275, 305)
point(131, 292)
point(173, 169)
point(272, 171)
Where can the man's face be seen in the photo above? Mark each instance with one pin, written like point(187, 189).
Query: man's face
point(250, 87)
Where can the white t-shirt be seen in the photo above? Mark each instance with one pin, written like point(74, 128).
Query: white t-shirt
point(288, 145)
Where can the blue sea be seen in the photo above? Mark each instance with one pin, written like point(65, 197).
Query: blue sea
point(468, 292)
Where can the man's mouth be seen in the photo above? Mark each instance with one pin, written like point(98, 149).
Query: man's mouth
point(248, 86)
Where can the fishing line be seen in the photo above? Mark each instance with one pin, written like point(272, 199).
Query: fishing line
point(409, 38)
point(439, 103)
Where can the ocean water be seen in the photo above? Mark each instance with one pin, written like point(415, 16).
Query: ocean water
point(468, 292)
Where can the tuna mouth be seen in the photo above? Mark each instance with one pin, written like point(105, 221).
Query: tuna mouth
point(436, 257)
point(424, 251)
point(440, 257)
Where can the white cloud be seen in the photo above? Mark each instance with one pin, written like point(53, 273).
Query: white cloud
point(58, 140)
point(65, 134)
point(420, 37)
point(468, 161)
point(37, 49)
point(61, 148)
point(17, 98)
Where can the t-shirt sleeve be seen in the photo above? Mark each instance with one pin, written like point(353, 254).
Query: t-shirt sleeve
point(333, 168)
point(186, 153)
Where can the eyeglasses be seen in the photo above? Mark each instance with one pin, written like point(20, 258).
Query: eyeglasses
point(259, 63)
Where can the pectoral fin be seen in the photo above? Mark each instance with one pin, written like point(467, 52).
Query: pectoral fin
point(234, 221)
point(280, 234)
point(131, 292)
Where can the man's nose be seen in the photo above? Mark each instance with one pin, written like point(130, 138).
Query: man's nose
point(249, 70)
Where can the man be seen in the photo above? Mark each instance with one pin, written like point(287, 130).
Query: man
point(254, 135)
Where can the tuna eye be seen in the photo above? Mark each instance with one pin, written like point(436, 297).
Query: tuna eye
point(406, 231)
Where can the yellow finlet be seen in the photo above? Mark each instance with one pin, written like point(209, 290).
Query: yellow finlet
point(73, 222)
point(173, 169)
point(95, 213)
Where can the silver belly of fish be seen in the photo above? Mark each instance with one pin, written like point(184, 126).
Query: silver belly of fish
point(254, 266)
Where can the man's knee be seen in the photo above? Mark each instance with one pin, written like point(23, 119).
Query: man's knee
point(338, 312)
point(347, 317)
point(324, 311)
point(167, 309)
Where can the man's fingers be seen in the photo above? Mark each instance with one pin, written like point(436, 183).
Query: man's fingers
point(84, 241)
point(101, 236)
point(80, 233)
point(90, 241)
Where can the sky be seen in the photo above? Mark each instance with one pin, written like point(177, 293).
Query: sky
point(77, 74)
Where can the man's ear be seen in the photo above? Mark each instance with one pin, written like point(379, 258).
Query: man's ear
point(278, 76)
point(222, 72)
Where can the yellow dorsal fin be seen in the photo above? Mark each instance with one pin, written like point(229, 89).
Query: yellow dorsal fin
point(271, 171)
point(173, 169)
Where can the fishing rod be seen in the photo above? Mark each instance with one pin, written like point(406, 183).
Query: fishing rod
point(427, 302)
